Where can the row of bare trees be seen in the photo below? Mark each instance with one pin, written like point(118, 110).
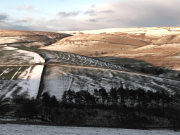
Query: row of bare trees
point(123, 106)
point(121, 97)
point(133, 107)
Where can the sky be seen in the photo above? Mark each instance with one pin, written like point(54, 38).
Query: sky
point(65, 15)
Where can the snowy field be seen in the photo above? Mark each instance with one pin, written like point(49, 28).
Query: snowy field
point(12, 129)
point(20, 73)
point(20, 80)
point(11, 55)
point(61, 78)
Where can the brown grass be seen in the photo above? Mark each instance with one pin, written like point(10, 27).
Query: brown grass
point(126, 45)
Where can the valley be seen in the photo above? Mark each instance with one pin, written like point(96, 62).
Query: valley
point(118, 76)
point(135, 58)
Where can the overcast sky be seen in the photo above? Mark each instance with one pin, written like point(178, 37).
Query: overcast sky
point(58, 15)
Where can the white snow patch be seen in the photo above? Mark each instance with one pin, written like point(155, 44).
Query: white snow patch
point(29, 84)
point(4, 40)
point(10, 48)
point(36, 58)
point(145, 47)
point(9, 94)
point(34, 80)
point(25, 74)
point(4, 72)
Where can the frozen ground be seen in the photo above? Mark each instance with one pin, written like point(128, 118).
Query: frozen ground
point(21, 82)
point(19, 72)
point(60, 78)
point(11, 55)
point(150, 31)
point(12, 129)
point(4, 40)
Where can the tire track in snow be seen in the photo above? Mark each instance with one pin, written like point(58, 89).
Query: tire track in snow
point(16, 73)
point(4, 71)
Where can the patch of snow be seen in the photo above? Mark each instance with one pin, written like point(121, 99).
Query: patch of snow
point(4, 72)
point(9, 94)
point(25, 73)
point(36, 58)
point(109, 30)
point(145, 47)
point(4, 40)
point(10, 48)
point(29, 84)
point(175, 28)
point(16, 129)
point(34, 80)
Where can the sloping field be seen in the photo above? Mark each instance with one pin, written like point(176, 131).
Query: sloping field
point(14, 56)
point(89, 61)
point(22, 82)
point(19, 74)
point(158, 46)
point(62, 58)
point(135, 48)
point(33, 39)
point(96, 45)
point(166, 55)
point(60, 78)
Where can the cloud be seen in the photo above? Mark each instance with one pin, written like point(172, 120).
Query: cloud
point(68, 14)
point(93, 20)
point(91, 12)
point(139, 13)
point(107, 11)
point(25, 20)
point(28, 8)
point(118, 13)
point(4, 16)
point(4, 25)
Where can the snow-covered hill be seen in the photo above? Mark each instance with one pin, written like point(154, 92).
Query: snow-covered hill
point(66, 71)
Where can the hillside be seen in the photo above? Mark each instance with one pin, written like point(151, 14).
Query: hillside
point(128, 78)
point(33, 39)
point(157, 45)
point(146, 58)
point(21, 70)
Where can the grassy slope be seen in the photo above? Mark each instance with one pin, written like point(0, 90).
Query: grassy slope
point(157, 46)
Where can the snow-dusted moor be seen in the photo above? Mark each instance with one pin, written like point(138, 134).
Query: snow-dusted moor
point(122, 78)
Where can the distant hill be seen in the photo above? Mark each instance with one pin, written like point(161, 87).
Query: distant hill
point(159, 46)
point(30, 38)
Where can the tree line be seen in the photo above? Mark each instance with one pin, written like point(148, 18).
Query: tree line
point(119, 107)
point(133, 108)
point(121, 97)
